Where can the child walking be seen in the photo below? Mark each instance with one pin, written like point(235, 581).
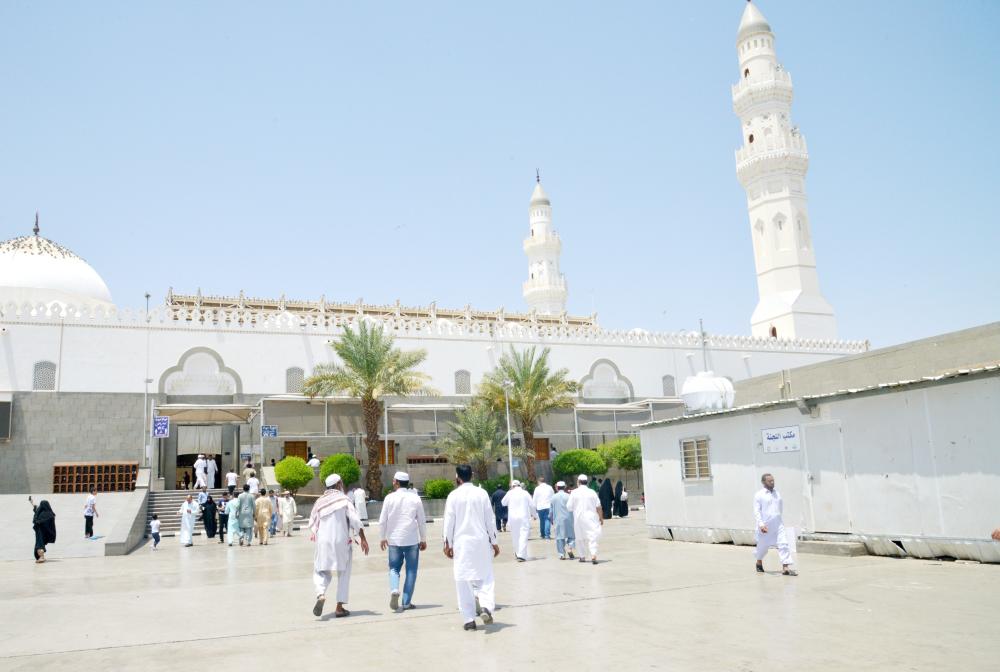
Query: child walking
point(154, 528)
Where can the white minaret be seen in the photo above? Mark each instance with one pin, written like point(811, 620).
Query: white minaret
point(545, 289)
point(772, 167)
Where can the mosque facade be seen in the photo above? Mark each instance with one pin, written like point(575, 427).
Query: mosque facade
point(82, 379)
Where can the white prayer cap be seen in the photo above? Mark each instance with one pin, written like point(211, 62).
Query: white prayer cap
point(402, 476)
point(561, 484)
point(515, 483)
point(332, 480)
point(582, 478)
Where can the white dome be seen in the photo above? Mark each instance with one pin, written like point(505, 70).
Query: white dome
point(538, 196)
point(36, 270)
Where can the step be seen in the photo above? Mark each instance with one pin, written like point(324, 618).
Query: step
point(835, 548)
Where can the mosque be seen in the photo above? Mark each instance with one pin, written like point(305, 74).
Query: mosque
point(82, 378)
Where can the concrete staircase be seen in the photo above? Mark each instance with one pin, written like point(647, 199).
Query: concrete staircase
point(166, 503)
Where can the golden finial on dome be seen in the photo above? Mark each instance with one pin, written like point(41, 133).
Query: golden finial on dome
point(36, 229)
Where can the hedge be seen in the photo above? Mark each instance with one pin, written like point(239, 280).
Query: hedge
point(438, 488)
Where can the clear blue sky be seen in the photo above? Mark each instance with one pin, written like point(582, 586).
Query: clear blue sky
point(387, 150)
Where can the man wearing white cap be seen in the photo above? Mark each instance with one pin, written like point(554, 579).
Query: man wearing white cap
point(332, 525)
point(199, 473)
point(470, 539)
point(588, 519)
point(562, 522)
point(520, 513)
point(403, 528)
point(542, 497)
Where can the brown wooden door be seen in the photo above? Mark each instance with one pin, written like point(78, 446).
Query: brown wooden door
point(392, 452)
point(541, 449)
point(297, 449)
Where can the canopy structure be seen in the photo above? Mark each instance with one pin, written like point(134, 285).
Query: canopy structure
point(200, 414)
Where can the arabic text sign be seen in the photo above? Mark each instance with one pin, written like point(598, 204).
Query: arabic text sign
point(161, 426)
point(269, 431)
point(780, 439)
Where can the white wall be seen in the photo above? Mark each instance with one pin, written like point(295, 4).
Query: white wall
point(110, 356)
point(923, 461)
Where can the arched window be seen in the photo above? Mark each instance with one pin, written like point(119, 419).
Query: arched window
point(669, 386)
point(746, 73)
point(44, 376)
point(774, 332)
point(463, 382)
point(294, 377)
point(750, 139)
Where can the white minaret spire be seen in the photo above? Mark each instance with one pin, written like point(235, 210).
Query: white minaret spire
point(545, 289)
point(772, 167)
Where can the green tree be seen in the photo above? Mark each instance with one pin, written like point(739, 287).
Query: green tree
point(571, 463)
point(370, 369)
point(293, 473)
point(476, 438)
point(627, 452)
point(345, 466)
point(534, 390)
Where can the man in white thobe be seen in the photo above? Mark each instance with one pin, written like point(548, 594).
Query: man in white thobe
point(588, 518)
point(211, 468)
point(520, 513)
point(470, 539)
point(767, 510)
point(189, 513)
point(542, 497)
point(333, 524)
point(199, 473)
point(361, 502)
point(288, 509)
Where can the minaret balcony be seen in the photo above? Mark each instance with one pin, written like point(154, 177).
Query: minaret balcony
point(541, 285)
point(534, 245)
point(773, 87)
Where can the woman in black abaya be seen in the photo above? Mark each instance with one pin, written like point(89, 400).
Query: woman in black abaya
point(607, 498)
point(210, 517)
point(44, 522)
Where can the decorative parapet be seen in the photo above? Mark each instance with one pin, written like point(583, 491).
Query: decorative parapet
point(528, 327)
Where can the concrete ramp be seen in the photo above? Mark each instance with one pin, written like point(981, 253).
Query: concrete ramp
point(19, 537)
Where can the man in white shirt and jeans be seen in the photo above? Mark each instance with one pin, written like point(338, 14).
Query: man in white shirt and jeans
point(542, 497)
point(231, 479)
point(89, 513)
point(403, 528)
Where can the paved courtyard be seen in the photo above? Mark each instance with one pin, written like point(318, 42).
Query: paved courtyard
point(650, 605)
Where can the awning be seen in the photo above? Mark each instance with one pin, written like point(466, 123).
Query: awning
point(192, 414)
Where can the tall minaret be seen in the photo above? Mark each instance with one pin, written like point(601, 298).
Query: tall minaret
point(545, 288)
point(772, 167)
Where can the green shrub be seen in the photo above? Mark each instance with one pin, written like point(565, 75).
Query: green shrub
point(572, 463)
point(490, 484)
point(438, 488)
point(293, 473)
point(343, 465)
point(386, 491)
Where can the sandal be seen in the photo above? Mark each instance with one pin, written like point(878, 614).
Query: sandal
point(789, 572)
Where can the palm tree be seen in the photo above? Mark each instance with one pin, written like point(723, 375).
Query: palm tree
point(370, 368)
point(533, 389)
point(477, 439)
